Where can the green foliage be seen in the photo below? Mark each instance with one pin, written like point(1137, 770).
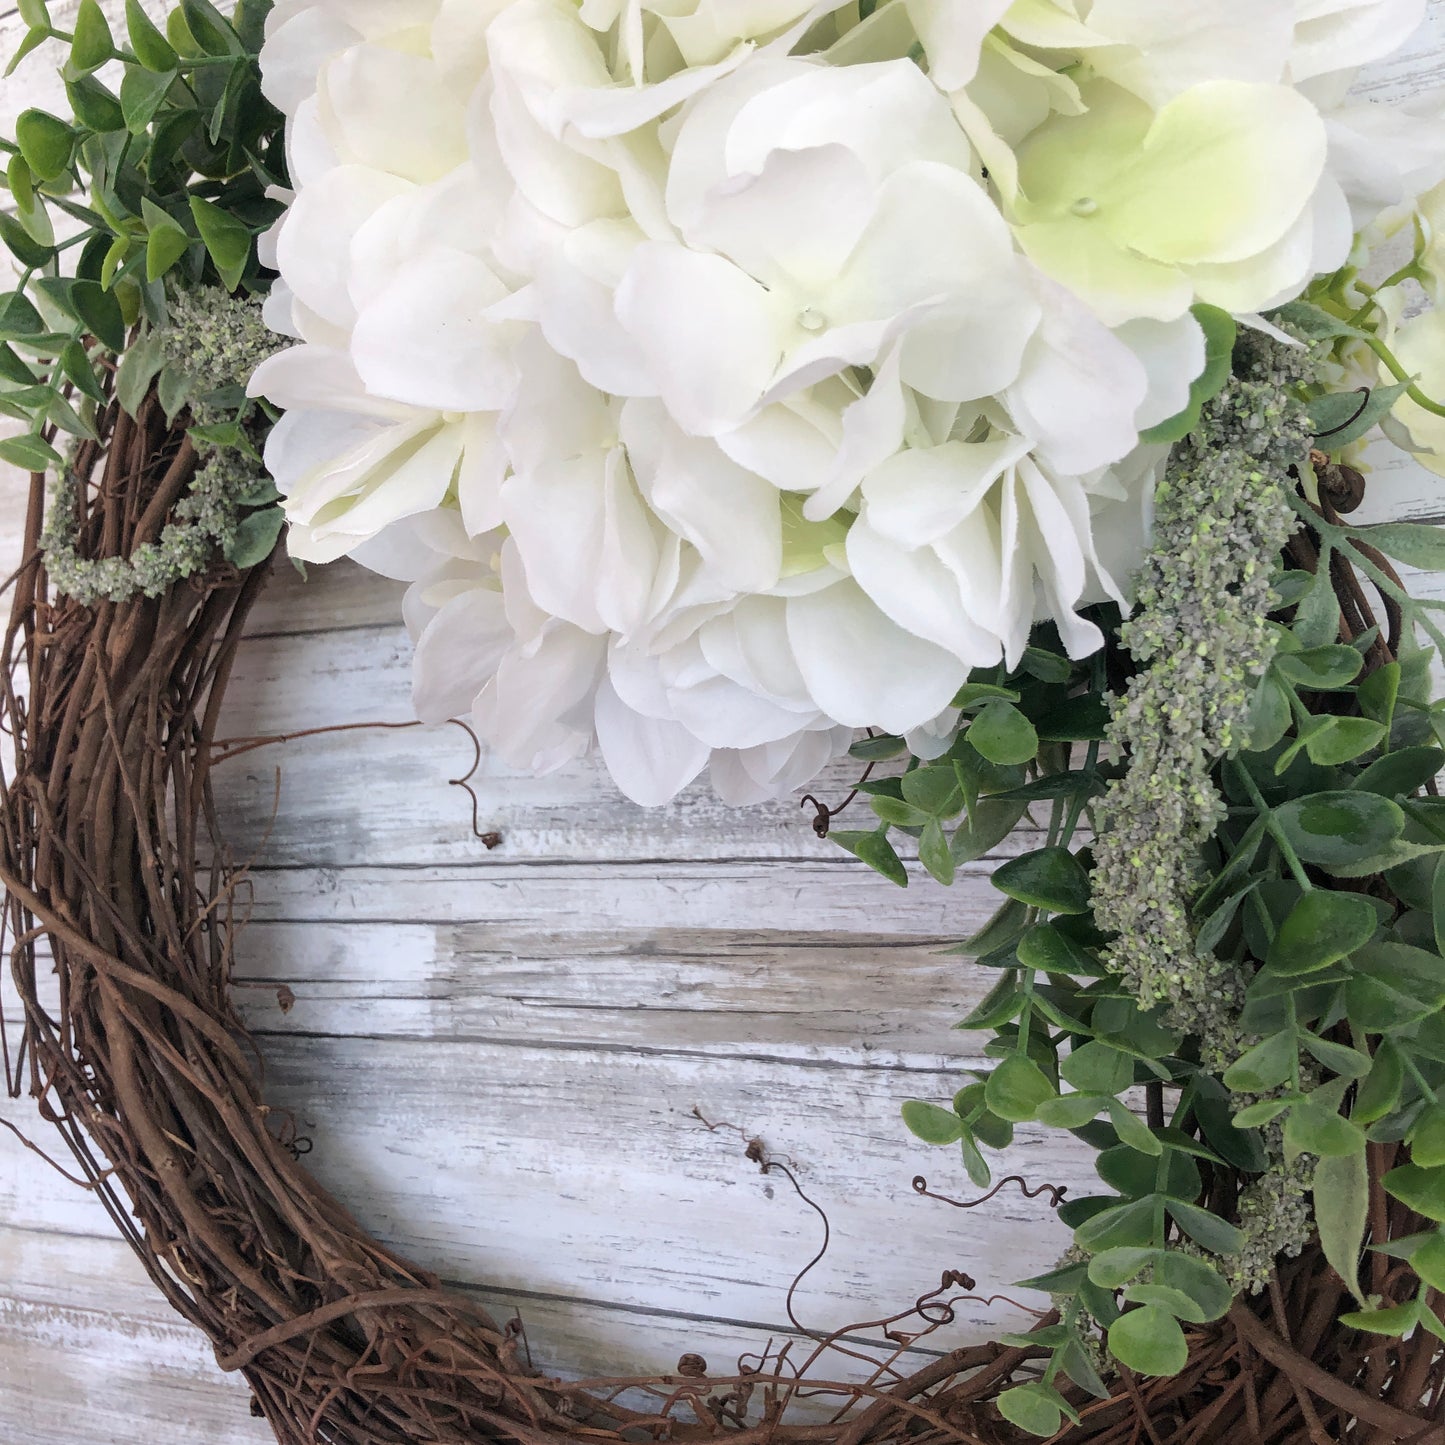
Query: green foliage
point(1256, 935)
point(161, 180)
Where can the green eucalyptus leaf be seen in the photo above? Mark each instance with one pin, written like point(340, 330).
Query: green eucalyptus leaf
point(100, 311)
point(1320, 669)
point(92, 44)
point(1330, 828)
point(1342, 418)
point(1395, 1320)
point(974, 694)
point(1083, 719)
point(1270, 715)
point(22, 245)
point(1409, 542)
point(1000, 1006)
point(1312, 1128)
point(1379, 1093)
point(1343, 740)
point(1148, 1341)
point(1379, 693)
point(14, 368)
point(1007, 923)
point(227, 239)
point(1064, 1280)
point(1016, 1088)
point(46, 142)
point(1317, 614)
point(95, 107)
point(255, 538)
point(1339, 1059)
point(142, 92)
point(1035, 1407)
point(933, 790)
point(1070, 1111)
point(151, 48)
point(1208, 1230)
point(75, 366)
point(138, 368)
point(1133, 1131)
point(1114, 1268)
point(1314, 323)
point(1437, 905)
point(1394, 985)
point(1137, 1174)
point(1256, 1116)
point(1429, 1261)
point(1074, 1361)
point(931, 1123)
point(897, 813)
point(34, 39)
point(935, 855)
point(1120, 1224)
point(173, 388)
point(30, 453)
point(974, 1164)
point(1322, 928)
point(1098, 1068)
point(1049, 949)
point(1264, 1066)
point(879, 749)
point(1199, 1280)
point(1050, 878)
point(1214, 1110)
point(165, 245)
point(209, 28)
point(1427, 1138)
point(1046, 666)
point(1166, 1297)
point(1401, 773)
point(1418, 1188)
point(877, 852)
point(1003, 734)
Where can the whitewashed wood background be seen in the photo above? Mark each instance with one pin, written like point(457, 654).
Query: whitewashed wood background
point(498, 1055)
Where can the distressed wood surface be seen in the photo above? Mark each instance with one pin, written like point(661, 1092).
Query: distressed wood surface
point(498, 1055)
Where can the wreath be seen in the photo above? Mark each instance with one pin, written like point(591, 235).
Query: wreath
point(979, 392)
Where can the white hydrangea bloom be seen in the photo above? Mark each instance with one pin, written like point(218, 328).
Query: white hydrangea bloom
point(728, 375)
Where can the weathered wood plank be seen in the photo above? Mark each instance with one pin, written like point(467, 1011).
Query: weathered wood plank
point(584, 1173)
point(876, 1003)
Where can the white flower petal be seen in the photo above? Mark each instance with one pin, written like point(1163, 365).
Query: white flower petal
point(457, 654)
point(427, 338)
point(863, 669)
point(650, 760)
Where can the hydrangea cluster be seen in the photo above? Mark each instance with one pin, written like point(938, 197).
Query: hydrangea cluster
point(728, 375)
point(1203, 638)
point(218, 341)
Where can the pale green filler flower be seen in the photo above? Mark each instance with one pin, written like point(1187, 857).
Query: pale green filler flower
point(217, 340)
point(1201, 630)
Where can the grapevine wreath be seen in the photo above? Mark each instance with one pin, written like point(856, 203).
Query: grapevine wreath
point(981, 391)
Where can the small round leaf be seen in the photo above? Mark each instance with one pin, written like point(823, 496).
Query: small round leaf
point(1049, 878)
point(1149, 1341)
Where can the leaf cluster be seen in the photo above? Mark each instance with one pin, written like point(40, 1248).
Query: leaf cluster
point(158, 176)
point(1323, 891)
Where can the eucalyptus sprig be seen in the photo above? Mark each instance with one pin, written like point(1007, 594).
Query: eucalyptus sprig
point(159, 181)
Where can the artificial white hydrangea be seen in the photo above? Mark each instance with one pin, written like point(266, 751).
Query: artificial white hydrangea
point(728, 375)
